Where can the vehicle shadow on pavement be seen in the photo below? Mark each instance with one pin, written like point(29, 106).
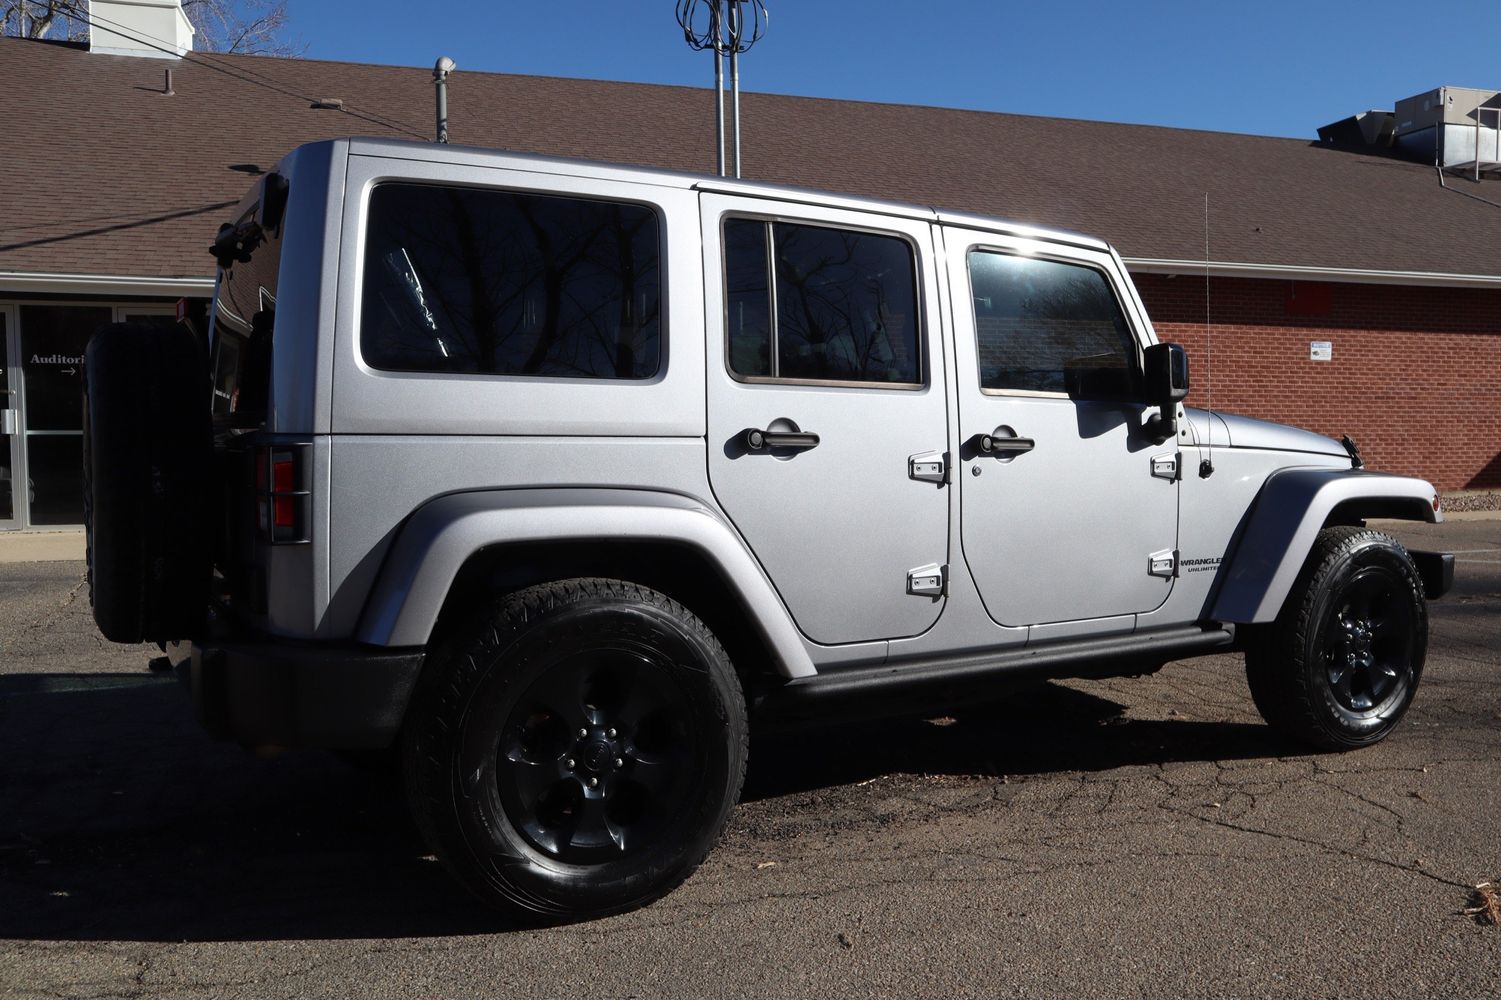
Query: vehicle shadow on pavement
point(120, 820)
point(1044, 729)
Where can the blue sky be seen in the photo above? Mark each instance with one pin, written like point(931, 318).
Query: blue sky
point(1269, 67)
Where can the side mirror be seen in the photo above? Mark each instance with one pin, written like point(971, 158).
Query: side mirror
point(1166, 384)
point(1166, 374)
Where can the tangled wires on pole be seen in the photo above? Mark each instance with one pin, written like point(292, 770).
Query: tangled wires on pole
point(707, 25)
point(724, 27)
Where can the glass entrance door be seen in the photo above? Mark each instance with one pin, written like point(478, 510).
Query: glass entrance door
point(53, 338)
point(11, 478)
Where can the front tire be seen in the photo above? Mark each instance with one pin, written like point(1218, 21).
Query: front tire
point(579, 752)
point(1339, 667)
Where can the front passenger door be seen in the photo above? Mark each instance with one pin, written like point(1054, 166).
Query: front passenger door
point(1072, 516)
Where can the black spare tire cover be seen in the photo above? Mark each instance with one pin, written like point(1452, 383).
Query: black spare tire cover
point(149, 493)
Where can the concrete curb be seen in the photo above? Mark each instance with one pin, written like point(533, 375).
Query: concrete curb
point(41, 546)
point(1472, 515)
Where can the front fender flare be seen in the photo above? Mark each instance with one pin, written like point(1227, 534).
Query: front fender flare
point(441, 536)
point(1290, 510)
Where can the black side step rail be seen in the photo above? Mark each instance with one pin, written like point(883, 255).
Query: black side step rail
point(916, 684)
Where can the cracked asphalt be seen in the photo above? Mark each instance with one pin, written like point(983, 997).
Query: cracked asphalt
point(1143, 837)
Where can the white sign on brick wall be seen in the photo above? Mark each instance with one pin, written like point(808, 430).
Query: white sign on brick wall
point(1321, 350)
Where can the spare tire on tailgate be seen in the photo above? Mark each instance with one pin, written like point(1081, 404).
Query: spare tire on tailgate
point(148, 486)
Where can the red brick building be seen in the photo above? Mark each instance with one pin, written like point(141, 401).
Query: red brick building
point(1415, 376)
point(111, 188)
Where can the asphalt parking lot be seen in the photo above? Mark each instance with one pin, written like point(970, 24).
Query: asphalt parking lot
point(1142, 837)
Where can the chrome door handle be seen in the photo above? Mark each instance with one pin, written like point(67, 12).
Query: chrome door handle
point(759, 440)
point(989, 444)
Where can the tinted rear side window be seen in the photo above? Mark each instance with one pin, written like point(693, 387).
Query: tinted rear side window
point(469, 280)
point(842, 308)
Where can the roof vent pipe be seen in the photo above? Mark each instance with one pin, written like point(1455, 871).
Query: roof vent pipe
point(441, 69)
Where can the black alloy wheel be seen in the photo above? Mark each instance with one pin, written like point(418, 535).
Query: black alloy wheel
point(1340, 665)
point(578, 751)
point(1368, 641)
point(594, 761)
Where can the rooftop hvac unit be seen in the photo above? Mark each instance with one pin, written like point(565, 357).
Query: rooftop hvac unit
point(154, 28)
point(1369, 128)
point(1453, 127)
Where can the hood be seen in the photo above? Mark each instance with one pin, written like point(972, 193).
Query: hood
point(1245, 432)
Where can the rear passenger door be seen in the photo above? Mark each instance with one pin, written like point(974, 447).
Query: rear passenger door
point(826, 409)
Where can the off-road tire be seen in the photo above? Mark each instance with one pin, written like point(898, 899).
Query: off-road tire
point(1320, 676)
point(488, 727)
point(148, 488)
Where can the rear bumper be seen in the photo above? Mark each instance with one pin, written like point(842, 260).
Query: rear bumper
point(280, 694)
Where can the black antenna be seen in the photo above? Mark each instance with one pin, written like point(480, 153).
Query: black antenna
point(727, 29)
point(1206, 467)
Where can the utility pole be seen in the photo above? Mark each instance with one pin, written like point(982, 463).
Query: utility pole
point(725, 28)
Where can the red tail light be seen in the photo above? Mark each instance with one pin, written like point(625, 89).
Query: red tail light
point(282, 494)
point(283, 490)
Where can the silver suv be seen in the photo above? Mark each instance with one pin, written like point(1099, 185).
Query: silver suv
point(552, 476)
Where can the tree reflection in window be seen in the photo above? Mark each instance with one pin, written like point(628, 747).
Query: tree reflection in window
point(846, 304)
point(503, 283)
point(1036, 320)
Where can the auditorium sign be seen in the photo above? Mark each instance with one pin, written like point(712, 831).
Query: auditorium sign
point(64, 364)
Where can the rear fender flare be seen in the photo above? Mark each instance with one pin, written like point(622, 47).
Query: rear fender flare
point(443, 534)
point(1291, 509)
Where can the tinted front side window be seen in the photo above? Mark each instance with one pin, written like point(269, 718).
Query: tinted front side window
point(501, 283)
point(834, 304)
point(1043, 325)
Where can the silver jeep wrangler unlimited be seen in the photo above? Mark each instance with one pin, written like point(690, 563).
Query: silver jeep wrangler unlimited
point(548, 475)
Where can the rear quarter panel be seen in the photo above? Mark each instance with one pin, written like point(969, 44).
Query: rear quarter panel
point(401, 439)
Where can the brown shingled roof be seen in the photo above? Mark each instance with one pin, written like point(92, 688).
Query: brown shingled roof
point(102, 174)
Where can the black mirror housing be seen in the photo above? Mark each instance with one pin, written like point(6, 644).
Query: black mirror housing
point(1166, 374)
point(1166, 384)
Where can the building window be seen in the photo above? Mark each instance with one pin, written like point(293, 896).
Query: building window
point(812, 303)
point(471, 280)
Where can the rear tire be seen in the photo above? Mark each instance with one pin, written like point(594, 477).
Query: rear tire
point(148, 488)
point(1339, 667)
point(577, 753)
